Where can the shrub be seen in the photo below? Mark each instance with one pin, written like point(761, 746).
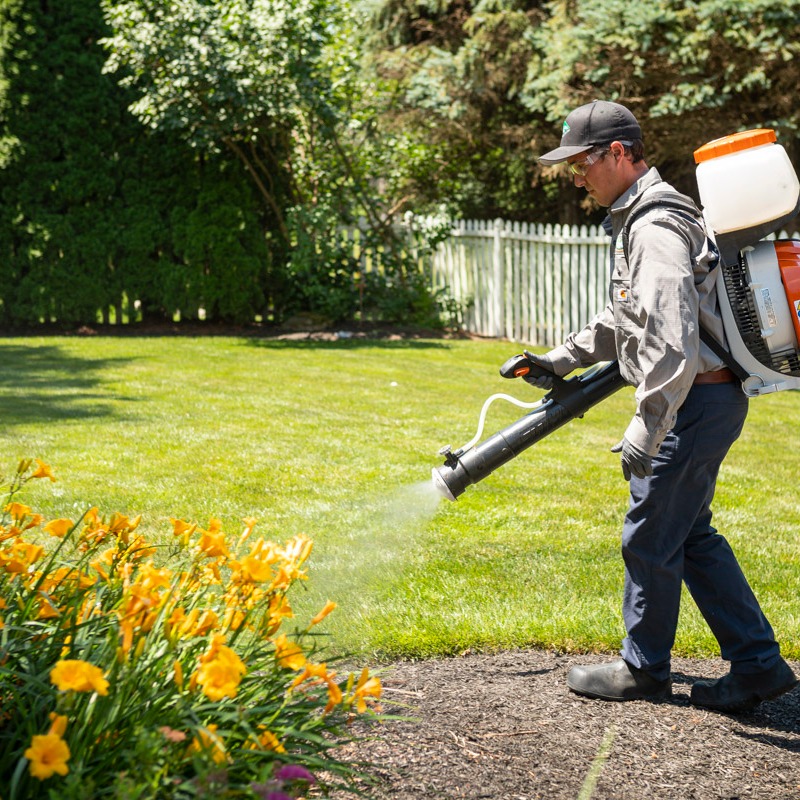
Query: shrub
point(366, 274)
point(123, 676)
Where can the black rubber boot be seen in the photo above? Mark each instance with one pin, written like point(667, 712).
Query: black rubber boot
point(736, 693)
point(617, 681)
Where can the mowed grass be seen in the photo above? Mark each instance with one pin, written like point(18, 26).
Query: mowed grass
point(337, 441)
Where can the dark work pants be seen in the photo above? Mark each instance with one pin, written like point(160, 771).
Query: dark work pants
point(667, 538)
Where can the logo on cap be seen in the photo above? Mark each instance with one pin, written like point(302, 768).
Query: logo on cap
point(565, 128)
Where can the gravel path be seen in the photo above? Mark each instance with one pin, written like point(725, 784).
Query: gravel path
point(505, 727)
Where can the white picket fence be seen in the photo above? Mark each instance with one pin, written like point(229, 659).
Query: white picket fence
point(529, 283)
point(525, 282)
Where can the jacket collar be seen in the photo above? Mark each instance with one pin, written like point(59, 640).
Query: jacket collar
point(621, 207)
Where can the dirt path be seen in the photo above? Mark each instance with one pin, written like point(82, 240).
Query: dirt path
point(505, 727)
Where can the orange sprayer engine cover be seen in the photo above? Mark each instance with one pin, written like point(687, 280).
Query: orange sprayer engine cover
point(788, 253)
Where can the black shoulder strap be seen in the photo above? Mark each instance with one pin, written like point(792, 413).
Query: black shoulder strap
point(680, 202)
point(668, 199)
point(708, 338)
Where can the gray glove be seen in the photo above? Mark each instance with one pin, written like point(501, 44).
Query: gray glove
point(634, 461)
point(540, 381)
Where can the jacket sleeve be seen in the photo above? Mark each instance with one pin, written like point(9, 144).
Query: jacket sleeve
point(665, 304)
point(593, 343)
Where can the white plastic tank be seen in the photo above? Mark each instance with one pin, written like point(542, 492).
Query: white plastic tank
point(745, 180)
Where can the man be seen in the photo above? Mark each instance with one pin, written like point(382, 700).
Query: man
point(689, 410)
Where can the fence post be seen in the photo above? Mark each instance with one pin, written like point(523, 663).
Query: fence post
point(498, 303)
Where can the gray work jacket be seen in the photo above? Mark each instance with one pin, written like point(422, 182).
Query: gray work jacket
point(651, 321)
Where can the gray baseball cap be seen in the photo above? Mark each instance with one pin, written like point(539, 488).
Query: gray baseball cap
point(595, 123)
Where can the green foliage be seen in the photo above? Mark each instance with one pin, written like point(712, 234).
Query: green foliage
point(92, 212)
point(129, 672)
point(397, 289)
point(323, 271)
point(368, 275)
point(243, 76)
point(222, 254)
point(277, 84)
point(60, 161)
point(455, 75)
point(483, 89)
point(691, 72)
point(208, 154)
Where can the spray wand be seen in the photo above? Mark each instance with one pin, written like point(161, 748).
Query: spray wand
point(567, 400)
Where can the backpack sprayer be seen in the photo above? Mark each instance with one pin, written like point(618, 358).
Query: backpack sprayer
point(749, 190)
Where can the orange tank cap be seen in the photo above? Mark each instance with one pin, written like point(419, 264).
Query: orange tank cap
point(734, 143)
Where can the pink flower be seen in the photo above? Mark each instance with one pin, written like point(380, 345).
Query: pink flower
point(294, 772)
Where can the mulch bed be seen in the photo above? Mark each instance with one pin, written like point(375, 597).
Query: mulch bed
point(504, 726)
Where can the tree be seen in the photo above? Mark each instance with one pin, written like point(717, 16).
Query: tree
point(456, 71)
point(691, 72)
point(274, 83)
point(56, 124)
point(246, 75)
point(92, 213)
point(482, 89)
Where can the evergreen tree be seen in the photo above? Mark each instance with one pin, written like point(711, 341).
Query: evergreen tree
point(481, 88)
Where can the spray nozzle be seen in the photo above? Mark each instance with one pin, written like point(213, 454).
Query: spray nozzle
point(451, 478)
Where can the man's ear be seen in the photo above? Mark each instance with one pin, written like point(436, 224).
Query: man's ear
point(618, 149)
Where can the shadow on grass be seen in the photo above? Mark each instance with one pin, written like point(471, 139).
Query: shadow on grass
point(350, 344)
point(45, 384)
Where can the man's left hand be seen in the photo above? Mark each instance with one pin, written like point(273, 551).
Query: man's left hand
point(634, 461)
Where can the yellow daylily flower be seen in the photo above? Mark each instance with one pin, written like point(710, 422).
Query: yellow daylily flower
point(49, 753)
point(43, 471)
point(36, 519)
point(212, 544)
point(78, 676)
point(58, 724)
point(249, 525)
point(288, 654)
point(17, 511)
point(182, 529)
point(367, 687)
point(318, 673)
point(59, 527)
point(256, 567)
point(208, 740)
point(327, 608)
point(220, 671)
point(20, 556)
point(178, 670)
point(269, 741)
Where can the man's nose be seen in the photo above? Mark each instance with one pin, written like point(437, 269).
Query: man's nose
point(579, 180)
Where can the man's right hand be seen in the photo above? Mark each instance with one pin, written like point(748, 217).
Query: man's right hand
point(540, 381)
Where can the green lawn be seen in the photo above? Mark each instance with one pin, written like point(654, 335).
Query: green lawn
point(337, 441)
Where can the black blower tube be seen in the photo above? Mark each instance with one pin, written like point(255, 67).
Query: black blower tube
point(567, 400)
